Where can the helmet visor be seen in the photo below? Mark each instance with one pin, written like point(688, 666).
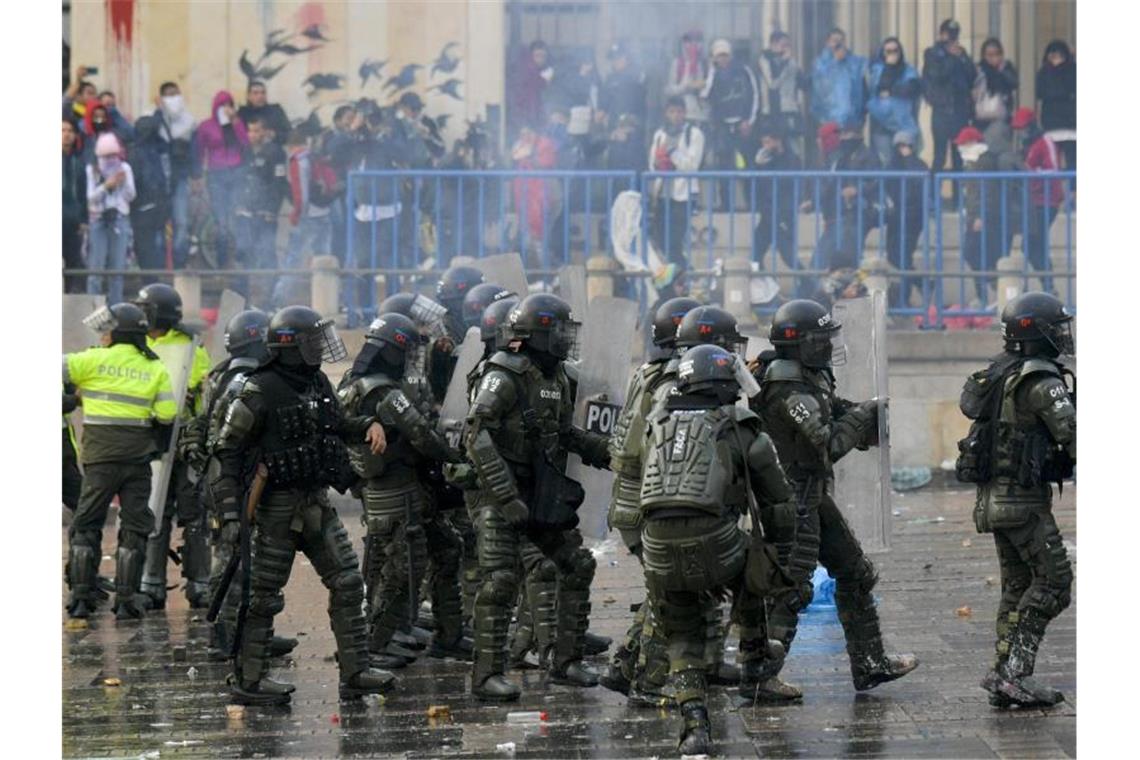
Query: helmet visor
point(565, 340)
point(1063, 338)
point(428, 315)
point(322, 344)
point(102, 320)
point(823, 348)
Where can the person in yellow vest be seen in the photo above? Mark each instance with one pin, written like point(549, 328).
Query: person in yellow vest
point(163, 307)
point(128, 408)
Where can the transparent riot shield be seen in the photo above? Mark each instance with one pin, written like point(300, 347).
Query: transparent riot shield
point(863, 478)
point(230, 305)
point(572, 289)
point(603, 373)
point(76, 335)
point(504, 269)
point(178, 360)
point(455, 401)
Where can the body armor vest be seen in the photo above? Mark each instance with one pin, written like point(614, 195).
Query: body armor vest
point(687, 465)
point(300, 441)
point(220, 388)
point(535, 423)
point(783, 378)
point(629, 430)
point(1024, 450)
point(361, 397)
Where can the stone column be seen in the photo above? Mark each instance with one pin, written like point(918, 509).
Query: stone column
point(1012, 278)
point(189, 286)
point(600, 276)
point(738, 291)
point(325, 296)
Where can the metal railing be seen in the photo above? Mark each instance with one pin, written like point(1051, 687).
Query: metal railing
point(411, 224)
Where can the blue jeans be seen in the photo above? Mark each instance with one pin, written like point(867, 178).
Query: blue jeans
point(309, 238)
point(180, 221)
point(223, 186)
point(107, 249)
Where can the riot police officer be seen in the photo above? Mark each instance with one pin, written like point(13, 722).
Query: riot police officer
point(1023, 439)
point(517, 435)
point(625, 509)
point(453, 287)
point(163, 307)
point(128, 408)
point(706, 464)
point(813, 428)
point(244, 343)
point(288, 416)
point(395, 497)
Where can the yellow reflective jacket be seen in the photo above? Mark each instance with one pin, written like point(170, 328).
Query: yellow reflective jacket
point(198, 370)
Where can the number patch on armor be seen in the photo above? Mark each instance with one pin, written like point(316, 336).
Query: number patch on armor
point(679, 442)
point(400, 403)
point(799, 413)
point(1061, 403)
point(1057, 391)
point(491, 383)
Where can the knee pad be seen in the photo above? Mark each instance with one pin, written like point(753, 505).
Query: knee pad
point(500, 588)
point(544, 572)
point(582, 569)
point(347, 589)
point(271, 565)
point(266, 604)
point(859, 580)
point(128, 539)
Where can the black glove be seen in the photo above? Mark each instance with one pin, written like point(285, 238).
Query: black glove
point(516, 513)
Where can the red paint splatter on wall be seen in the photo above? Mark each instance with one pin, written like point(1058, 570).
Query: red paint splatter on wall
point(121, 18)
point(309, 14)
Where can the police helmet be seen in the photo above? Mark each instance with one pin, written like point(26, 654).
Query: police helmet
point(245, 333)
point(298, 332)
point(477, 299)
point(1038, 323)
point(668, 318)
point(454, 285)
point(707, 368)
point(118, 319)
point(495, 316)
point(710, 324)
point(398, 303)
point(397, 338)
point(544, 322)
point(803, 329)
point(162, 304)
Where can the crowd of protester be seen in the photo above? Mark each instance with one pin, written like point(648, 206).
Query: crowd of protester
point(175, 185)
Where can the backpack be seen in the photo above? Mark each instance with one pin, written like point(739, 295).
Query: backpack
point(324, 186)
point(981, 402)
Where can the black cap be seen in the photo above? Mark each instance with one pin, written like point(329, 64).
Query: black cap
point(411, 101)
point(951, 27)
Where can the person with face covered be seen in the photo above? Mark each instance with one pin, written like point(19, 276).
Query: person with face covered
point(906, 216)
point(776, 198)
point(151, 207)
point(986, 241)
point(74, 206)
point(893, 91)
point(837, 83)
point(176, 130)
point(687, 74)
point(948, 77)
point(219, 144)
point(1057, 93)
point(96, 122)
point(110, 190)
point(733, 102)
point(995, 89)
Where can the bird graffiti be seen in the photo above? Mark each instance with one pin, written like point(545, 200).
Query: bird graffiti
point(324, 82)
point(311, 126)
point(445, 62)
point(253, 72)
point(441, 121)
point(288, 49)
point(448, 88)
point(370, 68)
point(405, 79)
point(315, 32)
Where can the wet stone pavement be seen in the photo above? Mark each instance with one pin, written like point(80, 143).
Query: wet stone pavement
point(171, 702)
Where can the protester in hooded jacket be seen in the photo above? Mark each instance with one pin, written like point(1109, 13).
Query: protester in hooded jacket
point(948, 77)
point(734, 103)
point(219, 144)
point(781, 83)
point(151, 207)
point(893, 92)
point(176, 130)
point(837, 83)
point(776, 198)
point(96, 122)
point(985, 241)
point(110, 190)
point(907, 215)
point(687, 75)
point(1057, 93)
point(995, 89)
point(74, 206)
point(527, 80)
point(1041, 154)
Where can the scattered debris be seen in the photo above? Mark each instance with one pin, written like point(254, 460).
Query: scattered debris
point(507, 747)
point(910, 478)
point(75, 624)
point(967, 543)
point(609, 600)
point(334, 719)
point(112, 682)
point(192, 673)
point(928, 565)
point(990, 580)
point(613, 563)
point(376, 700)
point(526, 716)
point(964, 611)
point(184, 743)
point(179, 654)
point(439, 711)
point(235, 712)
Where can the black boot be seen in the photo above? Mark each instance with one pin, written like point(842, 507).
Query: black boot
point(460, 649)
point(386, 661)
point(367, 681)
point(574, 673)
point(759, 678)
point(615, 678)
point(129, 559)
point(497, 688)
point(696, 736)
point(263, 692)
point(723, 674)
point(870, 665)
point(595, 644)
point(82, 567)
point(1012, 681)
point(279, 646)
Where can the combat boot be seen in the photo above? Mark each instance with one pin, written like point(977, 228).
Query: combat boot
point(723, 674)
point(386, 661)
point(759, 681)
point(128, 571)
point(279, 646)
point(462, 648)
point(615, 678)
point(595, 644)
point(197, 595)
point(367, 681)
point(1011, 681)
point(696, 736)
point(870, 665)
point(573, 673)
point(104, 587)
point(82, 566)
point(642, 694)
point(497, 688)
point(410, 643)
point(265, 691)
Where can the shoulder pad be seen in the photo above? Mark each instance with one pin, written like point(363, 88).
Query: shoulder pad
point(366, 385)
point(784, 371)
point(742, 415)
point(517, 363)
point(250, 386)
point(1033, 366)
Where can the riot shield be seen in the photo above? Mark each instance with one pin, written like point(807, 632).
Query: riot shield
point(229, 307)
point(504, 269)
point(863, 478)
point(603, 374)
point(572, 289)
point(455, 401)
point(178, 360)
point(76, 335)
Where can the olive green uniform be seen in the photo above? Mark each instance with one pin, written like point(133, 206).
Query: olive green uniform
point(813, 428)
point(1034, 440)
point(518, 416)
point(699, 465)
